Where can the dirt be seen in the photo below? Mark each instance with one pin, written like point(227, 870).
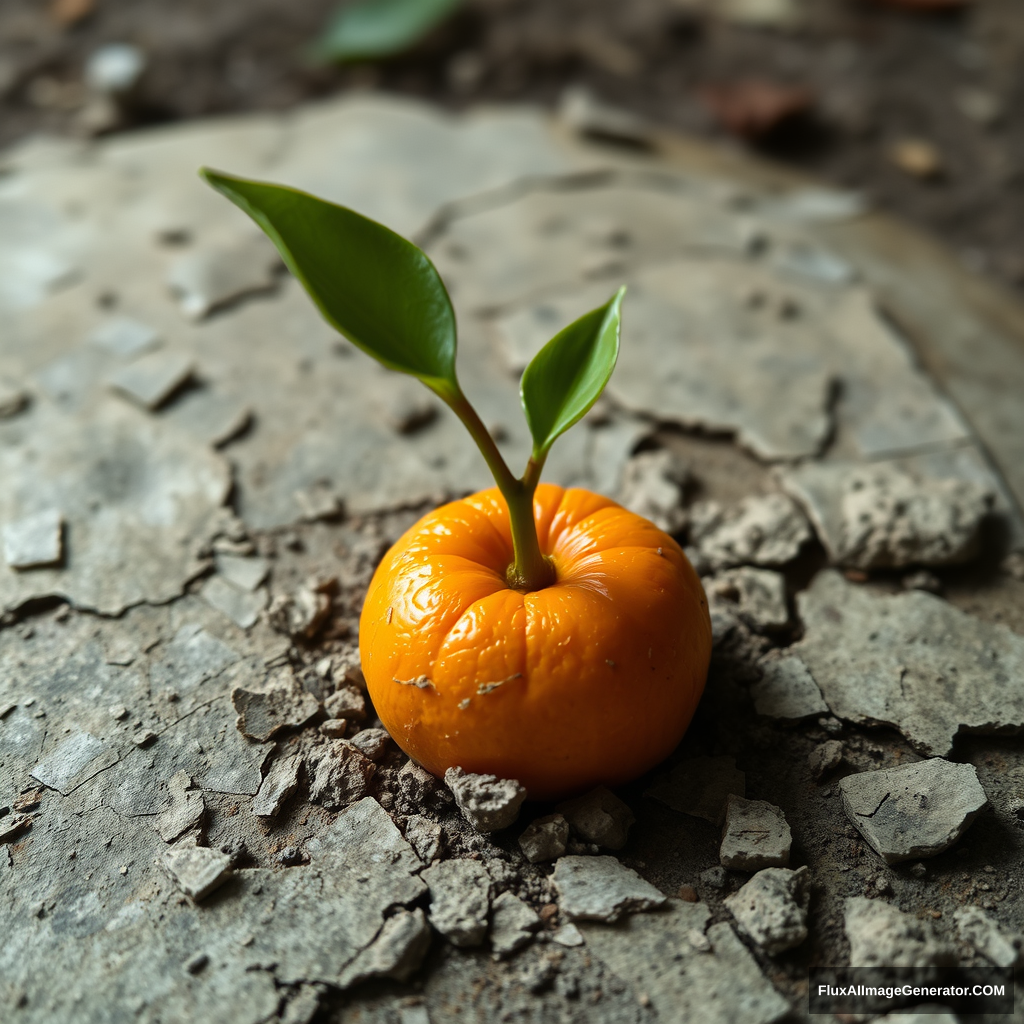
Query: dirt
point(881, 82)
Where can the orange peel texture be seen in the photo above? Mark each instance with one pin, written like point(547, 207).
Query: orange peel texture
point(591, 680)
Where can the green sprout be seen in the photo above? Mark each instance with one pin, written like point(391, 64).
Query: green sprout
point(383, 293)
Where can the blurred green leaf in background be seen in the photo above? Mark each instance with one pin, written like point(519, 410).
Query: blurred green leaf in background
point(369, 29)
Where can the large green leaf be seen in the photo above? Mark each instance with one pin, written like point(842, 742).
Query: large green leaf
point(567, 375)
point(369, 29)
point(377, 289)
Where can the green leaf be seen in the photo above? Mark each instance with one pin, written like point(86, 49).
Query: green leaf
point(380, 291)
point(369, 29)
point(567, 375)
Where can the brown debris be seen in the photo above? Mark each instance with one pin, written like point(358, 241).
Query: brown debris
point(752, 108)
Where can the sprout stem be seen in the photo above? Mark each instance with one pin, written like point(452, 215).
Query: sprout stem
point(530, 569)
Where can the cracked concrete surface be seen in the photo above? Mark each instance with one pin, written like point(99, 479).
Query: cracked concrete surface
point(207, 504)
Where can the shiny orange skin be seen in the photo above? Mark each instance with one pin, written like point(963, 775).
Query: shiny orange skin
point(592, 680)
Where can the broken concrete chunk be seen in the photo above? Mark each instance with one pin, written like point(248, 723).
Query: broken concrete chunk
point(13, 398)
point(418, 790)
point(756, 836)
point(700, 786)
point(568, 935)
point(488, 803)
point(371, 743)
point(125, 337)
point(652, 487)
point(241, 607)
point(425, 837)
point(513, 925)
point(302, 613)
point(545, 838)
point(825, 757)
point(35, 541)
point(882, 936)
point(981, 930)
point(459, 900)
point(772, 908)
point(915, 811)
point(186, 811)
point(396, 952)
point(602, 889)
point(151, 379)
point(891, 520)
point(586, 115)
point(278, 785)
point(12, 825)
point(74, 761)
point(911, 661)
point(767, 530)
point(883, 517)
point(599, 817)
point(787, 690)
point(757, 597)
point(244, 573)
point(348, 702)
point(197, 870)
point(340, 775)
point(211, 279)
point(262, 715)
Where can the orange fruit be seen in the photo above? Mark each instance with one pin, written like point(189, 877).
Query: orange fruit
point(591, 680)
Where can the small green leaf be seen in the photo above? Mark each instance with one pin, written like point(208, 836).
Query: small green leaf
point(567, 375)
point(373, 286)
point(369, 29)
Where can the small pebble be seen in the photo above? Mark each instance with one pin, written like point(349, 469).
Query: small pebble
point(197, 963)
point(144, 738)
point(688, 893)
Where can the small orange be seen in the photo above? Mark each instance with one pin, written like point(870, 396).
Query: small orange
point(591, 680)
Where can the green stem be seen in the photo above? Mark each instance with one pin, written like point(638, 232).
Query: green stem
point(530, 569)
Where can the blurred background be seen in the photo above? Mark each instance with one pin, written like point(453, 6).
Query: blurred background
point(915, 103)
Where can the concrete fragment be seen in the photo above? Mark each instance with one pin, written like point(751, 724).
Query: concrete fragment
point(425, 837)
point(979, 928)
point(371, 743)
point(13, 398)
point(756, 836)
point(602, 889)
point(244, 573)
point(186, 811)
point(544, 838)
point(568, 935)
point(459, 900)
point(418, 790)
point(889, 659)
point(766, 530)
point(300, 614)
point(340, 775)
point(210, 279)
point(513, 925)
point(772, 908)
point(279, 784)
point(700, 786)
point(757, 597)
point(151, 379)
point(787, 690)
point(586, 115)
point(334, 728)
point(125, 337)
point(915, 811)
point(74, 761)
point(825, 757)
point(488, 803)
point(12, 825)
point(652, 487)
point(885, 517)
point(34, 541)
point(599, 817)
point(197, 869)
point(684, 972)
point(240, 606)
point(348, 702)
point(881, 936)
point(263, 714)
point(396, 952)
